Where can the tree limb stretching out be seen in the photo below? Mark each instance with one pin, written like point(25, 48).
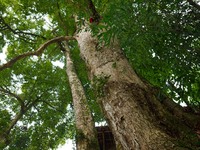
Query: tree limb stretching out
point(38, 52)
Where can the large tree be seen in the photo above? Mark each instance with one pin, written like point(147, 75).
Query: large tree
point(141, 57)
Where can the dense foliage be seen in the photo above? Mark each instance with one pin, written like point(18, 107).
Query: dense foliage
point(160, 39)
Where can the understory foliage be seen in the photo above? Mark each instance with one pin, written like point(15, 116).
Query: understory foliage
point(159, 38)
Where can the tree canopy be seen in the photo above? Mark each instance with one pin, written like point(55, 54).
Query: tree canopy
point(159, 38)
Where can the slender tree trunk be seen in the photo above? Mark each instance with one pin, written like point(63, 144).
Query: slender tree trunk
point(137, 119)
point(86, 134)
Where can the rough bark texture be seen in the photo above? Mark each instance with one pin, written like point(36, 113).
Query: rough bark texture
point(137, 119)
point(86, 135)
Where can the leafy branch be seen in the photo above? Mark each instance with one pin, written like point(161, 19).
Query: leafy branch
point(18, 98)
point(21, 113)
point(20, 33)
point(8, 92)
point(38, 52)
point(54, 108)
point(61, 19)
point(4, 137)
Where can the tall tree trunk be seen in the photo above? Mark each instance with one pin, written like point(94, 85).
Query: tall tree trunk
point(86, 135)
point(136, 117)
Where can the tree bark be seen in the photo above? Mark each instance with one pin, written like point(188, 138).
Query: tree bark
point(136, 117)
point(86, 136)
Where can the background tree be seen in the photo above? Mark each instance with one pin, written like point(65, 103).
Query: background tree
point(86, 134)
point(160, 40)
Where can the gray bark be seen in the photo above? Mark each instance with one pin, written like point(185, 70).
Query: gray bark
point(86, 135)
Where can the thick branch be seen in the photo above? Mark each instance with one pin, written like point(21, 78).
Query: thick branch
point(14, 121)
point(38, 52)
point(95, 14)
point(194, 4)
